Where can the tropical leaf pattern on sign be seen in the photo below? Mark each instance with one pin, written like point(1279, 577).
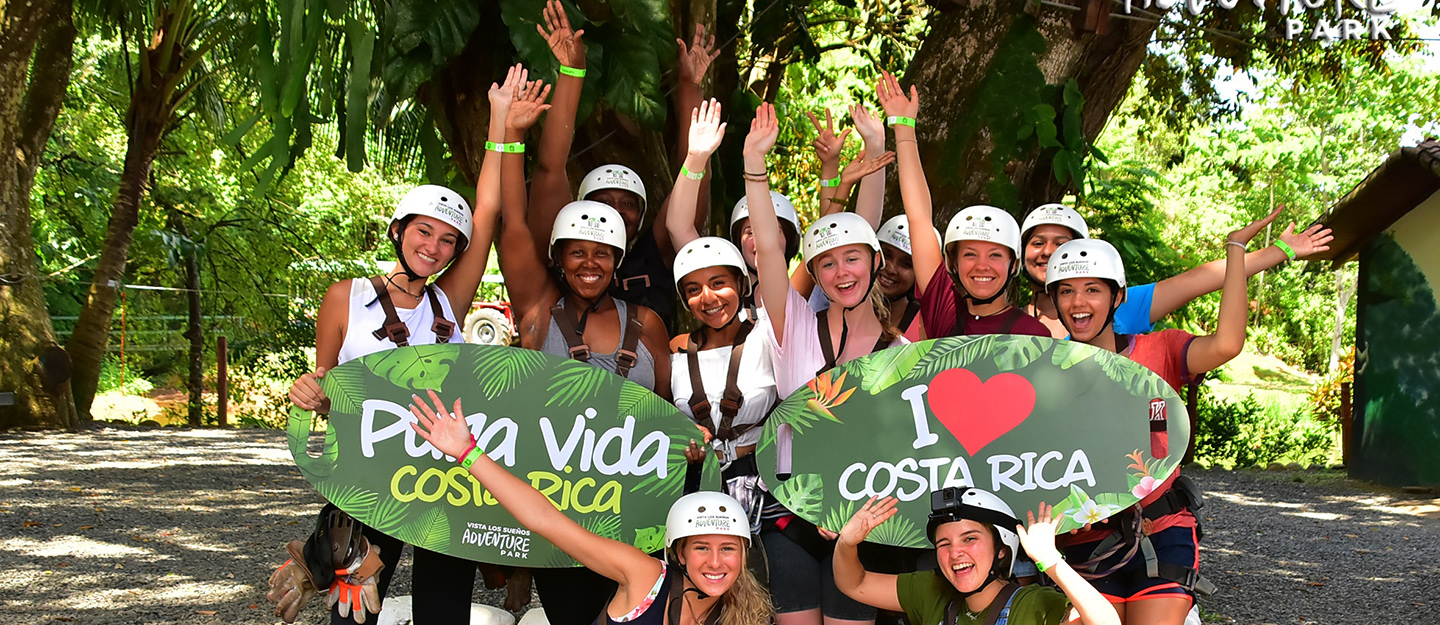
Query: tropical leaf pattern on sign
point(604, 525)
point(803, 494)
point(574, 382)
point(351, 499)
point(829, 390)
point(1020, 351)
point(297, 430)
point(881, 370)
point(345, 387)
point(502, 369)
point(650, 539)
point(1140, 381)
point(792, 412)
point(643, 404)
point(387, 515)
point(837, 516)
point(900, 531)
point(417, 368)
point(430, 531)
point(559, 560)
point(1070, 353)
point(674, 473)
point(953, 352)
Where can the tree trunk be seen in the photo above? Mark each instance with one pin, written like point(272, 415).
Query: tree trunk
point(194, 329)
point(981, 70)
point(1345, 284)
point(145, 126)
point(27, 115)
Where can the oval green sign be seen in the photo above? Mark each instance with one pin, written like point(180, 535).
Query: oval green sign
point(1031, 419)
point(606, 451)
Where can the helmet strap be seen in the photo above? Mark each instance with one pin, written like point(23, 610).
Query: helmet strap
point(845, 324)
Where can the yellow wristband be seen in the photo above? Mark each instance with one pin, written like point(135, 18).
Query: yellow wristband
point(508, 148)
point(578, 72)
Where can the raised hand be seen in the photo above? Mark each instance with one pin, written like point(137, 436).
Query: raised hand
point(1244, 235)
point(564, 42)
point(867, 518)
point(306, 392)
point(706, 129)
point(764, 130)
point(860, 167)
point(827, 144)
point(696, 58)
point(529, 103)
point(445, 429)
point(1312, 240)
point(504, 94)
point(870, 127)
point(893, 99)
point(1039, 538)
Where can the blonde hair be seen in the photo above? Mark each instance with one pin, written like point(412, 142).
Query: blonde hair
point(882, 314)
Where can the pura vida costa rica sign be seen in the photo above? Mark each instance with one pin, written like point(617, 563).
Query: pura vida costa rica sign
point(1031, 419)
point(605, 451)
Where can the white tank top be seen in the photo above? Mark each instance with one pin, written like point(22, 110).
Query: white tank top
point(366, 315)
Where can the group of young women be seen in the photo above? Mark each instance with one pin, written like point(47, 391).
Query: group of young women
point(588, 281)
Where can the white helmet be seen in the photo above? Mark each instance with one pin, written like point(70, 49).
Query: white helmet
point(440, 203)
point(784, 209)
point(614, 177)
point(1058, 215)
point(896, 232)
point(837, 230)
point(1085, 258)
point(984, 223)
point(952, 504)
point(707, 252)
point(583, 220)
point(706, 512)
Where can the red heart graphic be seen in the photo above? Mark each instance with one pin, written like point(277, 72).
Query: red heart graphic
point(975, 412)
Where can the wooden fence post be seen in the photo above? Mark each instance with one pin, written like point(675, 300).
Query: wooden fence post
point(1345, 418)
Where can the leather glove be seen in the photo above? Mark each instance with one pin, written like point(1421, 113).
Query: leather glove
point(290, 590)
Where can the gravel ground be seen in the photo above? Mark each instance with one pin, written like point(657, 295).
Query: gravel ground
point(138, 526)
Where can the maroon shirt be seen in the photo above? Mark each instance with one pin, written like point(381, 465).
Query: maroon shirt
point(937, 309)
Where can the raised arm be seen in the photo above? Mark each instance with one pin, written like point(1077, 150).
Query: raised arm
point(769, 241)
point(706, 132)
point(694, 60)
point(1173, 293)
point(521, 259)
point(1209, 352)
point(447, 430)
point(1039, 541)
point(872, 589)
point(551, 183)
point(926, 254)
point(462, 279)
point(828, 148)
point(870, 203)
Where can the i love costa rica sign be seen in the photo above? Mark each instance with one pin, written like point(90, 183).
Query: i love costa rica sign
point(607, 452)
point(1031, 419)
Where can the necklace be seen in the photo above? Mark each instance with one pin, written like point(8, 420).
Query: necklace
point(979, 317)
point(695, 616)
point(414, 296)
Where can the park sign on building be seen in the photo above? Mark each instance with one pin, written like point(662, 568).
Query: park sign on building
point(607, 452)
point(1030, 419)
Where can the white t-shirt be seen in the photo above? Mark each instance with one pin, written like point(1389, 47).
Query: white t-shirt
point(367, 315)
point(798, 361)
point(756, 381)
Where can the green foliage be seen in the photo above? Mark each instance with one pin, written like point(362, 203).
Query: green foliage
point(1247, 432)
point(110, 379)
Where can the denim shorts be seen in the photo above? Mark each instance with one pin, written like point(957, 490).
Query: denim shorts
point(799, 582)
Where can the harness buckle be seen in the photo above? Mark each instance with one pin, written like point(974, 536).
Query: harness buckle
point(626, 358)
point(580, 352)
point(397, 333)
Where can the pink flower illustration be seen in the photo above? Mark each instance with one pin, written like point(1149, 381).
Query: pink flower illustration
point(1145, 487)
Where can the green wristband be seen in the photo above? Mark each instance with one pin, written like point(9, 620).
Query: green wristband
point(896, 120)
point(470, 458)
point(578, 72)
point(1044, 567)
point(833, 182)
point(508, 148)
point(1285, 247)
point(685, 171)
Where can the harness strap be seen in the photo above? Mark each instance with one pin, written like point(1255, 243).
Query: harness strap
point(1169, 571)
point(997, 617)
point(393, 329)
point(676, 601)
point(827, 348)
point(573, 338)
point(627, 357)
point(906, 318)
point(1011, 318)
point(442, 327)
point(732, 399)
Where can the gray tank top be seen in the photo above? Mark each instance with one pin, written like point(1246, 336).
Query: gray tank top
point(643, 373)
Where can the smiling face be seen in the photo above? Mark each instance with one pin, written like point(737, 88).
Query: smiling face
point(712, 294)
point(897, 277)
point(966, 551)
point(626, 203)
point(744, 238)
point(982, 266)
point(1083, 304)
point(1041, 243)
point(588, 266)
point(713, 561)
point(844, 273)
point(428, 244)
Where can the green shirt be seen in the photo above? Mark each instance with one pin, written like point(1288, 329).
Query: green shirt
point(924, 596)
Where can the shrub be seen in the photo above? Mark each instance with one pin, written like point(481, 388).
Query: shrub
point(1325, 395)
point(1249, 433)
point(134, 383)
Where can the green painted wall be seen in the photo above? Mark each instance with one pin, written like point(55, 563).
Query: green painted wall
point(1396, 435)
